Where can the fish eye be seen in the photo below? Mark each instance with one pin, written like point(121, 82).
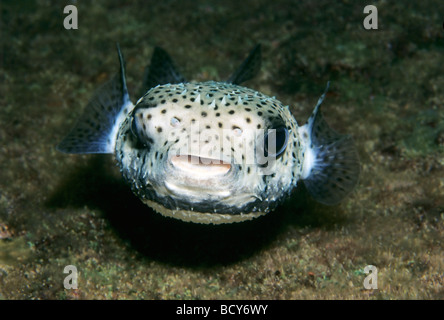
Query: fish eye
point(134, 128)
point(275, 142)
point(137, 134)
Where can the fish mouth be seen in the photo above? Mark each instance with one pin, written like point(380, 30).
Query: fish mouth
point(199, 178)
point(200, 167)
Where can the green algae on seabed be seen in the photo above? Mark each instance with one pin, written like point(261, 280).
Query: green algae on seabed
point(426, 129)
point(386, 91)
point(14, 252)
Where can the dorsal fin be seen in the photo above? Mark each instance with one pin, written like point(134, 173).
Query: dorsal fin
point(160, 71)
point(249, 68)
point(96, 130)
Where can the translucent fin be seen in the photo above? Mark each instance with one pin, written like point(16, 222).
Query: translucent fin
point(331, 164)
point(96, 130)
point(160, 71)
point(249, 68)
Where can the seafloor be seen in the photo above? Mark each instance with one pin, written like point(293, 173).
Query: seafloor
point(387, 91)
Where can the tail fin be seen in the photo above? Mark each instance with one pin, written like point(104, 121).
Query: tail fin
point(331, 165)
point(96, 130)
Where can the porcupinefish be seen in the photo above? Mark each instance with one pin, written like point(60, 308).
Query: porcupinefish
point(212, 152)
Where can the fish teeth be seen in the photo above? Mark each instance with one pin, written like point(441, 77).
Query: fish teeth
point(198, 98)
point(223, 101)
point(239, 100)
point(184, 91)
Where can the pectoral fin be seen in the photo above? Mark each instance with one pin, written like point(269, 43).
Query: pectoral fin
point(96, 130)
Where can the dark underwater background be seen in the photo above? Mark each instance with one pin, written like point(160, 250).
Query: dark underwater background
point(387, 91)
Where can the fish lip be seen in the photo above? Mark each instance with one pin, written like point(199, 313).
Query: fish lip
point(200, 167)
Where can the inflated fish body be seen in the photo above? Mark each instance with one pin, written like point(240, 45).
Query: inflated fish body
point(212, 152)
